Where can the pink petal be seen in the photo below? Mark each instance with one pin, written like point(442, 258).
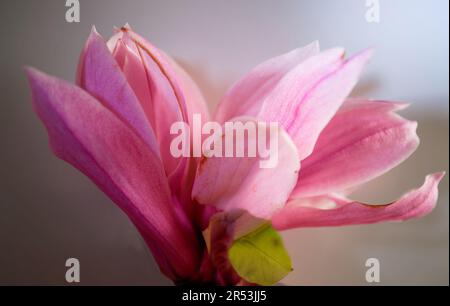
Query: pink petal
point(246, 96)
point(363, 140)
point(99, 75)
point(167, 95)
point(195, 102)
point(128, 86)
point(414, 204)
point(93, 139)
point(240, 183)
point(188, 94)
point(157, 97)
point(308, 96)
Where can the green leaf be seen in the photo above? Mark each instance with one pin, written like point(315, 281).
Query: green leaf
point(260, 257)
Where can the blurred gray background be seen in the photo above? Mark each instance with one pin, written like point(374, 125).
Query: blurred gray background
point(50, 212)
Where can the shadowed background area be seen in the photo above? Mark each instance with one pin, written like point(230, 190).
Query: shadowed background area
point(50, 212)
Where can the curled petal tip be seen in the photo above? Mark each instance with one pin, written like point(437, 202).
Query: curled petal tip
point(365, 55)
point(29, 70)
point(356, 103)
point(124, 29)
point(94, 35)
point(414, 204)
point(336, 52)
point(94, 30)
point(415, 136)
point(437, 176)
point(359, 59)
point(35, 76)
point(316, 43)
point(398, 105)
point(394, 105)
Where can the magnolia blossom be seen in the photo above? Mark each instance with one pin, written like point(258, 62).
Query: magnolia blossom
point(114, 126)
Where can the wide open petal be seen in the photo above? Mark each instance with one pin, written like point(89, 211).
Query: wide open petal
point(363, 140)
point(239, 183)
point(91, 138)
point(246, 96)
point(306, 99)
point(338, 211)
point(302, 98)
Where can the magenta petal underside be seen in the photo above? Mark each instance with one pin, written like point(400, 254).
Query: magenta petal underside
point(93, 139)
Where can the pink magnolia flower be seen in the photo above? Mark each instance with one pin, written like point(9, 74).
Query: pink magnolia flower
point(114, 127)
